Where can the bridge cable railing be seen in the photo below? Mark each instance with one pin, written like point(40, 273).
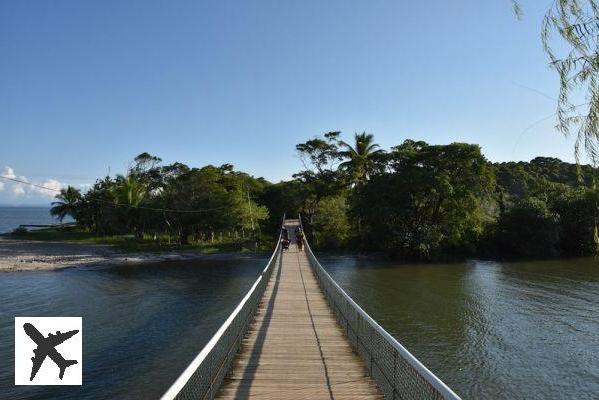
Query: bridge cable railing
point(398, 374)
point(205, 374)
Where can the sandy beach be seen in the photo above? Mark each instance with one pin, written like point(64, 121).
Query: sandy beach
point(32, 255)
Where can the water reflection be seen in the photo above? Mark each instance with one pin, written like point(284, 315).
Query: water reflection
point(142, 324)
point(490, 330)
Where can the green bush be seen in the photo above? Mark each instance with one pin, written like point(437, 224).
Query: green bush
point(528, 229)
point(20, 231)
point(330, 223)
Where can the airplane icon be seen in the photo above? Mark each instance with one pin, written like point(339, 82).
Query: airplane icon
point(46, 347)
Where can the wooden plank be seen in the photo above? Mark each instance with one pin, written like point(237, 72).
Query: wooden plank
point(294, 348)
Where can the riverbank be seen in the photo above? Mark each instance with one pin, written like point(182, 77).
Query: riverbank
point(26, 254)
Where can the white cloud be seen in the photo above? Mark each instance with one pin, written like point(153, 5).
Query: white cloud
point(8, 172)
point(15, 190)
point(53, 187)
point(18, 190)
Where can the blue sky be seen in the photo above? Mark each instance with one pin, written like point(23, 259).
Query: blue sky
point(87, 85)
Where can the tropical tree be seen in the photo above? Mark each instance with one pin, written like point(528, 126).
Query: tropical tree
point(362, 159)
point(428, 204)
point(320, 177)
point(528, 229)
point(129, 192)
point(68, 204)
point(320, 155)
point(98, 212)
point(331, 224)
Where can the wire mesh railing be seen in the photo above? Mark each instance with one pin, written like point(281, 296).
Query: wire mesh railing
point(398, 374)
point(205, 374)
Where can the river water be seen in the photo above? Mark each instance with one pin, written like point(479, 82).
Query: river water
point(526, 330)
point(142, 325)
point(12, 217)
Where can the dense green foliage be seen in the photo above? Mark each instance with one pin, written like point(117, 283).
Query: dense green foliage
point(546, 208)
point(421, 201)
point(415, 201)
point(427, 203)
point(173, 203)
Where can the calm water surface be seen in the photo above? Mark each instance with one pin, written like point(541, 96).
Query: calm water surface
point(142, 325)
point(12, 217)
point(526, 330)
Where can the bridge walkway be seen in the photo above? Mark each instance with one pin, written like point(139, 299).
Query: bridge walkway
point(294, 348)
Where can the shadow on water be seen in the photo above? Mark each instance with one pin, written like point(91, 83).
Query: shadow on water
point(141, 323)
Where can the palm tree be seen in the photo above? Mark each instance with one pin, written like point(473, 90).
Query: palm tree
point(130, 192)
point(361, 158)
point(68, 203)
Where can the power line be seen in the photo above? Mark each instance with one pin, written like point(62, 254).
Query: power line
point(29, 183)
point(536, 91)
point(545, 118)
point(117, 204)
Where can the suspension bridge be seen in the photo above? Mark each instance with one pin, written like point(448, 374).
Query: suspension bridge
point(297, 335)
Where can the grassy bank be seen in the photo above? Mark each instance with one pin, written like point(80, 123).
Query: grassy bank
point(130, 243)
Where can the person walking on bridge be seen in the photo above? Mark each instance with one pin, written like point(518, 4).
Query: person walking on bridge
point(299, 237)
point(284, 233)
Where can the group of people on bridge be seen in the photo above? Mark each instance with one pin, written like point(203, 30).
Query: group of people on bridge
point(299, 238)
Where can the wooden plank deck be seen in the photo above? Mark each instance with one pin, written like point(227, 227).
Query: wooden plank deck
point(295, 349)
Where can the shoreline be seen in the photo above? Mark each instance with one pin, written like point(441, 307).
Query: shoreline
point(18, 255)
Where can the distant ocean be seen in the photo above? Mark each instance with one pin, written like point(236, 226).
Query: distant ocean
point(12, 217)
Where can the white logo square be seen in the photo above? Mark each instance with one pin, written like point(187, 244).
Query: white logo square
point(48, 350)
